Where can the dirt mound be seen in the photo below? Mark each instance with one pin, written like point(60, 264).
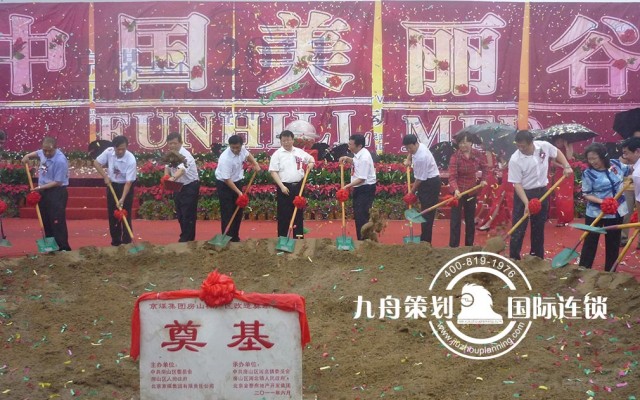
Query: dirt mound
point(65, 323)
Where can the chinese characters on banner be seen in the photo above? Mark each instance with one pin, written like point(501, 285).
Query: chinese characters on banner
point(239, 351)
point(214, 69)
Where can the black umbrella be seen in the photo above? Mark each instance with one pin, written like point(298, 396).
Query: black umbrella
point(569, 132)
point(473, 137)
point(442, 153)
point(490, 131)
point(626, 123)
point(504, 145)
point(614, 149)
point(97, 147)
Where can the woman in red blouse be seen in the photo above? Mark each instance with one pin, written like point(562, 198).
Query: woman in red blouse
point(463, 168)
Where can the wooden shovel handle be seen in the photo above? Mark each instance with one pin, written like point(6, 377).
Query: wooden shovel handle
point(625, 249)
point(26, 167)
point(235, 212)
point(295, 209)
point(124, 219)
point(447, 201)
point(344, 219)
point(601, 215)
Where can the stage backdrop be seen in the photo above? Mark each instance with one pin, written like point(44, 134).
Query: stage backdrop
point(81, 71)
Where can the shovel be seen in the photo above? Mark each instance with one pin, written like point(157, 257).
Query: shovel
point(567, 255)
point(3, 238)
point(288, 243)
point(634, 233)
point(222, 239)
point(411, 238)
point(417, 217)
point(344, 242)
point(46, 244)
point(596, 229)
point(134, 248)
point(497, 244)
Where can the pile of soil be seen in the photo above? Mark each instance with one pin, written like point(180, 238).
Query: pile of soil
point(65, 323)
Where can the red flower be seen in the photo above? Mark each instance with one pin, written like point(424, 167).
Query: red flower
point(120, 214)
point(609, 205)
point(161, 63)
point(33, 199)
point(620, 63)
point(462, 88)
point(300, 202)
point(242, 201)
point(535, 206)
point(451, 200)
point(342, 195)
point(443, 65)
point(410, 199)
point(18, 46)
point(634, 217)
point(302, 64)
point(292, 23)
point(413, 40)
point(3, 207)
point(197, 72)
point(628, 36)
point(217, 289)
point(334, 81)
point(164, 179)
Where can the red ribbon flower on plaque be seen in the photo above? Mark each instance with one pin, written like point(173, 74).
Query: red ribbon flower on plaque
point(410, 199)
point(634, 217)
point(535, 206)
point(300, 202)
point(33, 199)
point(3, 207)
point(342, 195)
point(609, 205)
point(120, 214)
point(242, 201)
point(217, 289)
point(452, 200)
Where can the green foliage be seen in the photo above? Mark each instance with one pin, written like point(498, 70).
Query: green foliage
point(157, 209)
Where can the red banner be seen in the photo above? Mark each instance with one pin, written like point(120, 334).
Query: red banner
point(209, 70)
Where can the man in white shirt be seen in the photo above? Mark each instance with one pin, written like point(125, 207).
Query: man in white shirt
point(186, 200)
point(631, 154)
point(528, 168)
point(426, 182)
point(363, 181)
point(121, 173)
point(629, 197)
point(287, 167)
point(229, 182)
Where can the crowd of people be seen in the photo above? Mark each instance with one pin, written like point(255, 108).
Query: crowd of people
point(488, 190)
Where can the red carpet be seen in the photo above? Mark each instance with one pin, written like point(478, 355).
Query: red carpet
point(22, 233)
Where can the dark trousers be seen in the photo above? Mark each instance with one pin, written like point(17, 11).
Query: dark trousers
point(227, 207)
point(611, 243)
point(363, 197)
point(186, 201)
point(117, 230)
point(428, 194)
point(468, 204)
point(53, 208)
point(285, 211)
point(537, 225)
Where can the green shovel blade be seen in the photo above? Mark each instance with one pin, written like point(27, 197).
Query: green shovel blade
point(5, 243)
point(414, 216)
point(286, 244)
point(47, 245)
point(136, 249)
point(344, 243)
point(411, 239)
point(589, 228)
point(564, 257)
point(220, 240)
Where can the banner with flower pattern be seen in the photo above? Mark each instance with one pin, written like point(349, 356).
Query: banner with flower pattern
point(81, 71)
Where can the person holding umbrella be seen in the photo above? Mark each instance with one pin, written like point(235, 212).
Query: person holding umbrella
point(463, 167)
point(528, 168)
point(363, 181)
point(602, 180)
point(287, 168)
point(427, 180)
point(229, 181)
point(186, 199)
point(53, 179)
point(121, 173)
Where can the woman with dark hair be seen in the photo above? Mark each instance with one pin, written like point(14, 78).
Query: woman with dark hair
point(463, 168)
point(602, 180)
